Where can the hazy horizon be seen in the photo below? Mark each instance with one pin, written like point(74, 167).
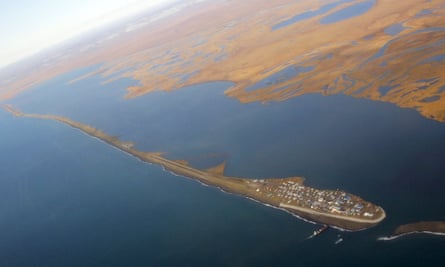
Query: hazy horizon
point(28, 34)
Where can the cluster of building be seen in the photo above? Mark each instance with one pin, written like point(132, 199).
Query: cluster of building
point(336, 202)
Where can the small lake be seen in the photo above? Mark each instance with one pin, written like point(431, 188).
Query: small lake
point(281, 76)
point(336, 16)
point(308, 14)
point(70, 200)
point(348, 12)
point(394, 29)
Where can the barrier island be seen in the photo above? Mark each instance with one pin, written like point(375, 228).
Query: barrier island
point(334, 208)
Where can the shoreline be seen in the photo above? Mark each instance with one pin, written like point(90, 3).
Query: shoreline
point(394, 237)
point(423, 227)
point(263, 191)
point(334, 216)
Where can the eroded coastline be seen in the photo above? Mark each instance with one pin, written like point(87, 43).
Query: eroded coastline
point(330, 207)
point(424, 227)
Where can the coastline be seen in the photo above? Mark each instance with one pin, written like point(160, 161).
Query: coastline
point(423, 227)
point(247, 188)
point(394, 237)
point(333, 215)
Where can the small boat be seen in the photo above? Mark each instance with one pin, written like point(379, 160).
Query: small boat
point(319, 231)
point(339, 240)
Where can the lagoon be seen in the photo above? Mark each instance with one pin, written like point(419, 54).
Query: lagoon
point(94, 205)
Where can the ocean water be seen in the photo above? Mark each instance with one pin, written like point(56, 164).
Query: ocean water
point(70, 200)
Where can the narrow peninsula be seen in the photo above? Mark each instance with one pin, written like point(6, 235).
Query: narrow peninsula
point(424, 227)
point(334, 208)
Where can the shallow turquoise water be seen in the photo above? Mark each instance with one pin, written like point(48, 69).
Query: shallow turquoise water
point(70, 200)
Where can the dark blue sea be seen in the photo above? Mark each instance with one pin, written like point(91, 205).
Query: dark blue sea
point(67, 199)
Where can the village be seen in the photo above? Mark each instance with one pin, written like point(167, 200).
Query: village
point(326, 201)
